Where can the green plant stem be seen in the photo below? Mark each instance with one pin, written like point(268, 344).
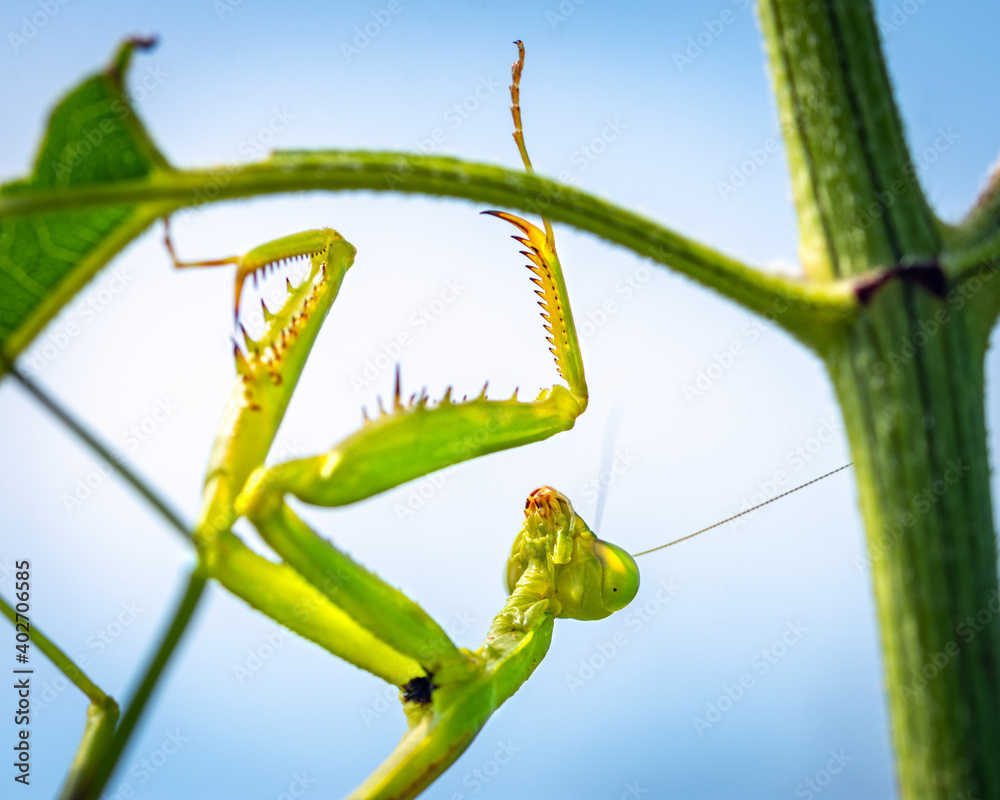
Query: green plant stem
point(859, 202)
point(975, 267)
point(979, 232)
point(92, 788)
point(62, 661)
point(97, 735)
point(797, 306)
point(917, 430)
point(115, 461)
point(908, 373)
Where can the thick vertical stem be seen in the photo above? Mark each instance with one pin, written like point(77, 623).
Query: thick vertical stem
point(859, 201)
point(910, 382)
point(908, 372)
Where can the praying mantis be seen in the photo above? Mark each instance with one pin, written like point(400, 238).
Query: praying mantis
point(557, 566)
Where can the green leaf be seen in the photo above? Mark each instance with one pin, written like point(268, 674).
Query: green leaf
point(94, 137)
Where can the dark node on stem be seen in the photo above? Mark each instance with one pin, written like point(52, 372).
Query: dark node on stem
point(418, 690)
point(929, 275)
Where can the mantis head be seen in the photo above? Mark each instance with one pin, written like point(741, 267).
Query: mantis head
point(591, 578)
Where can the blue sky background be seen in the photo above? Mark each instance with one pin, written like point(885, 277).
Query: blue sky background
point(212, 87)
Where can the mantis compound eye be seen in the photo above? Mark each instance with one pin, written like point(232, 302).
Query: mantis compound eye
point(599, 580)
point(619, 576)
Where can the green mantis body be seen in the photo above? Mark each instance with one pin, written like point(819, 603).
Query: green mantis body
point(557, 567)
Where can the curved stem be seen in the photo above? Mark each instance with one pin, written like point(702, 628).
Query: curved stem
point(797, 306)
point(977, 237)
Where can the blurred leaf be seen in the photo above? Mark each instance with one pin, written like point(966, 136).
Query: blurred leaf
point(93, 137)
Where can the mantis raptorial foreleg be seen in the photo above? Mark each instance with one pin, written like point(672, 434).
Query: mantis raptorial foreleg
point(417, 437)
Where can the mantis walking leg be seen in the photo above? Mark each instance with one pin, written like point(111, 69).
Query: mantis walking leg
point(263, 258)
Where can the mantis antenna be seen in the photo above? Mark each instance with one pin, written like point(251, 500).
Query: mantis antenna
point(610, 439)
point(735, 516)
